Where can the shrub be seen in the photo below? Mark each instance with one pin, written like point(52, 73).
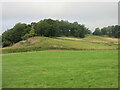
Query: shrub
point(6, 43)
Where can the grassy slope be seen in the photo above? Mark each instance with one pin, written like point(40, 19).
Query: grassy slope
point(64, 43)
point(95, 39)
point(61, 69)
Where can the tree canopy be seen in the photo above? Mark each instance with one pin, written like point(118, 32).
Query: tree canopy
point(46, 27)
point(53, 28)
point(110, 31)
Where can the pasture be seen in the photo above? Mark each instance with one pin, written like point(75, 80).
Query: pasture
point(61, 69)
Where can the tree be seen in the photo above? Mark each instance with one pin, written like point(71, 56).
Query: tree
point(97, 32)
point(46, 27)
point(18, 32)
point(111, 31)
point(116, 31)
point(6, 43)
point(14, 35)
point(89, 31)
point(83, 31)
point(104, 31)
point(32, 32)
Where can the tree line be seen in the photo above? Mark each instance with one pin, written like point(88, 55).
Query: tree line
point(53, 28)
point(110, 31)
point(46, 27)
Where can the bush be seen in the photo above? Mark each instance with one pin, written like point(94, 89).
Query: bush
point(6, 43)
point(26, 36)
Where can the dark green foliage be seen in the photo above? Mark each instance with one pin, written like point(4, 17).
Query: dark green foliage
point(6, 43)
point(116, 31)
point(104, 31)
point(97, 32)
point(89, 32)
point(15, 34)
point(18, 31)
point(65, 27)
point(31, 33)
point(54, 28)
point(26, 36)
point(111, 31)
point(7, 36)
point(46, 27)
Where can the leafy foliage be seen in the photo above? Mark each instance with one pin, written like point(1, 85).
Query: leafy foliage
point(97, 32)
point(111, 31)
point(15, 34)
point(46, 27)
point(6, 43)
point(53, 28)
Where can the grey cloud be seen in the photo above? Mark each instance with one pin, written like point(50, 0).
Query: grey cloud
point(92, 14)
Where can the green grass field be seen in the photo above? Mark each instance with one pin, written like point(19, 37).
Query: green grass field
point(90, 42)
point(61, 69)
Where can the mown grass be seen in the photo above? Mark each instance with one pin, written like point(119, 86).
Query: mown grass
point(63, 43)
point(61, 69)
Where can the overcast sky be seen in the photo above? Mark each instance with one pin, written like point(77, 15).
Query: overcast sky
point(92, 14)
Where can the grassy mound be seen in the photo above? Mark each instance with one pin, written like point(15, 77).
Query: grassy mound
point(63, 43)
